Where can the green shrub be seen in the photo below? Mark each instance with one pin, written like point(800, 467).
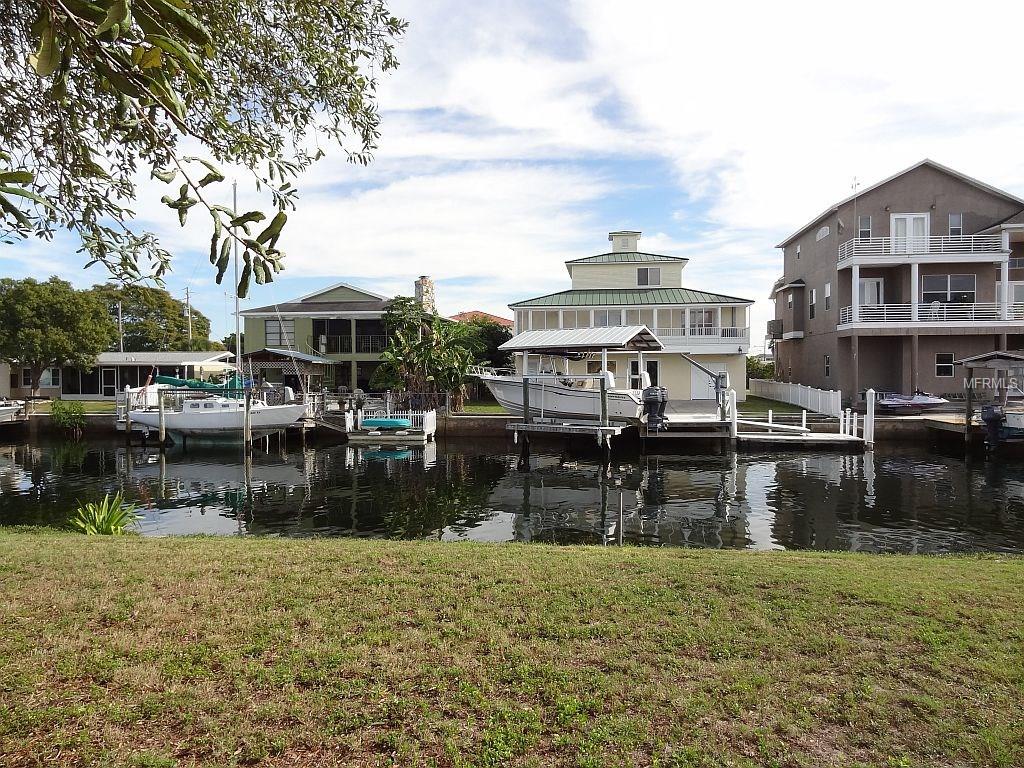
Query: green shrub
point(68, 414)
point(109, 517)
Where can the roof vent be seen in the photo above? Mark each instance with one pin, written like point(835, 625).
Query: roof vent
point(623, 242)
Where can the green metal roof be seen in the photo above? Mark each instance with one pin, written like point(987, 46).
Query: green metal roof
point(624, 257)
point(611, 297)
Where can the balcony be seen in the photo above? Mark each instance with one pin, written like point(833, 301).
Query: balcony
point(701, 335)
point(935, 312)
point(342, 345)
point(888, 248)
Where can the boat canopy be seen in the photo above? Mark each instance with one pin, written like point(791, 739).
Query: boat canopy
point(623, 338)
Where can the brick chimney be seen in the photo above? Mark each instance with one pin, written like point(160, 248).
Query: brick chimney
point(623, 242)
point(425, 293)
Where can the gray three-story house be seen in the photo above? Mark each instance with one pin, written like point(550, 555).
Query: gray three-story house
point(887, 288)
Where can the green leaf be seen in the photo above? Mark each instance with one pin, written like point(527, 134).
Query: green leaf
point(165, 176)
point(13, 210)
point(47, 58)
point(26, 193)
point(273, 230)
point(243, 281)
point(153, 57)
point(188, 24)
point(115, 14)
point(225, 252)
point(17, 177)
point(246, 218)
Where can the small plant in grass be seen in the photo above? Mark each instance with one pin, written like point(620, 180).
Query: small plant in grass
point(109, 517)
point(68, 415)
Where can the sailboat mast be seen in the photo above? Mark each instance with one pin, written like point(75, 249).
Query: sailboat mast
point(234, 242)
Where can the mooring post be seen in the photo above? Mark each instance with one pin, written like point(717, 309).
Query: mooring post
point(527, 419)
point(247, 419)
point(869, 419)
point(734, 417)
point(162, 430)
point(803, 419)
point(618, 529)
point(770, 419)
point(604, 401)
point(523, 465)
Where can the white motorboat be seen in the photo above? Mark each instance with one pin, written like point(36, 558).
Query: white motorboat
point(568, 395)
point(564, 397)
point(919, 401)
point(220, 416)
point(9, 409)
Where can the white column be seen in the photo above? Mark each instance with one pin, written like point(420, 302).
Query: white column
point(718, 314)
point(855, 293)
point(915, 289)
point(1004, 277)
point(686, 321)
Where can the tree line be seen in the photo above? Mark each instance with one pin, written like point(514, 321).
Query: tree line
point(52, 324)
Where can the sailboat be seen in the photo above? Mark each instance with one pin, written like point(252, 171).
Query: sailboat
point(203, 409)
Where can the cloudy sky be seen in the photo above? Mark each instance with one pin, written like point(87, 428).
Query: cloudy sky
point(518, 133)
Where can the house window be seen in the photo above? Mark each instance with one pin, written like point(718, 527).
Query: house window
point(822, 233)
point(798, 251)
point(607, 318)
point(1016, 292)
point(956, 224)
point(944, 365)
point(863, 226)
point(828, 296)
point(594, 366)
point(948, 289)
point(279, 333)
point(648, 276)
point(828, 366)
point(812, 302)
point(789, 300)
point(50, 377)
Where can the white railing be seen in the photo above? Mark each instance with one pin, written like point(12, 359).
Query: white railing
point(828, 402)
point(933, 312)
point(887, 246)
point(703, 334)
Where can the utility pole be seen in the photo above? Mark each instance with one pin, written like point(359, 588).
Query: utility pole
point(188, 311)
point(120, 328)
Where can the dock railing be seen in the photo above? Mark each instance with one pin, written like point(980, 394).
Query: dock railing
point(828, 402)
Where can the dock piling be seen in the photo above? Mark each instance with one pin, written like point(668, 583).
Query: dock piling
point(162, 430)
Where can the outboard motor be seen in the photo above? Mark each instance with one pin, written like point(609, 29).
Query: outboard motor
point(993, 417)
point(654, 408)
point(662, 403)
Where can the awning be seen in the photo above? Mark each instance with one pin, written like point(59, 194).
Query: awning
point(994, 361)
point(268, 353)
point(623, 338)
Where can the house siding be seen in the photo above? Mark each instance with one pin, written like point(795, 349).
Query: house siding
point(586, 276)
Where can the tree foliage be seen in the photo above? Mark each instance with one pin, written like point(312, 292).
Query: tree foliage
point(487, 337)
point(95, 92)
point(152, 319)
point(425, 352)
point(759, 369)
point(51, 324)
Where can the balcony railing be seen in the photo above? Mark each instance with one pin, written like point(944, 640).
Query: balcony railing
point(342, 345)
point(934, 312)
point(703, 334)
point(888, 246)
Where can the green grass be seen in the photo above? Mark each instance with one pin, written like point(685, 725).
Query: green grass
point(761, 405)
point(129, 651)
point(483, 409)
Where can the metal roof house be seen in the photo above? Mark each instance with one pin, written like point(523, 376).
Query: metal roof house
point(627, 287)
point(116, 370)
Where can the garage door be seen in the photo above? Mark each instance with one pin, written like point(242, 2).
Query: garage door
point(701, 385)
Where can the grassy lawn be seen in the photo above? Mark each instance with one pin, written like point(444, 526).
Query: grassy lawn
point(188, 651)
point(91, 406)
point(761, 405)
point(484, 409)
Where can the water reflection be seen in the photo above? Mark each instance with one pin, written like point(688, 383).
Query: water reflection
point(908, 500)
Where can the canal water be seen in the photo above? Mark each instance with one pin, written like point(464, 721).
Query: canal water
point(892, 500)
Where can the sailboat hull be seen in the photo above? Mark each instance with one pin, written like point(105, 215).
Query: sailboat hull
point(221, 417)
point(553, 399)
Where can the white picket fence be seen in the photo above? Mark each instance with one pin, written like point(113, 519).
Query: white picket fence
point(828, 402)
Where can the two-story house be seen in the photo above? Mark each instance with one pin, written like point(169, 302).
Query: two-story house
point(629, 287)
point(887, 288)
point(341, 323)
